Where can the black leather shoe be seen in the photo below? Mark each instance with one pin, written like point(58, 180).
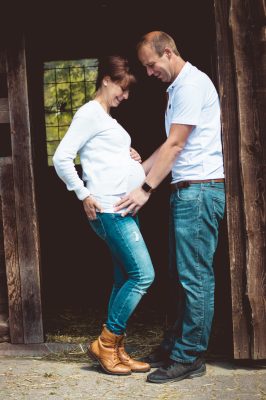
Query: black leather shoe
point(176, 371)
point(157, 358)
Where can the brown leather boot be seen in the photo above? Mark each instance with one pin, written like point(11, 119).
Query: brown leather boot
point(105, 351)
point(134, 365)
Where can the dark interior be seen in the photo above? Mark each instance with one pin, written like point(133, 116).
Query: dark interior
point(76, 268)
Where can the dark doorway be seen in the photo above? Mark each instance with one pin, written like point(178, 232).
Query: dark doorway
point(76, 269)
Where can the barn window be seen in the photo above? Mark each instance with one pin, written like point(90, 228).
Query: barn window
point(67, 86)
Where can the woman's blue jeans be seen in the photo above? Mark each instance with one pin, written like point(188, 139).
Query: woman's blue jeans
point(133, 269)
point(195, 214)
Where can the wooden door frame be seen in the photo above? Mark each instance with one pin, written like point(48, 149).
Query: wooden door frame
point(19, 212)
point(244, 156)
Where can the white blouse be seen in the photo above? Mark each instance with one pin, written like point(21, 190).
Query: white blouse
point(108, 171)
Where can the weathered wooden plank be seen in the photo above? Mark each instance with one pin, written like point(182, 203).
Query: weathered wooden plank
point(253, 160)
point(3, 285)
point(25, 204)
point(11, 250)
point(4, 111)
point(39, 350)
point(233, 186)
point(4, 327)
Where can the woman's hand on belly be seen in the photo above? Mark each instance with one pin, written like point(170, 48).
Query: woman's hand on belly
point(135, 155)
point(91, 207)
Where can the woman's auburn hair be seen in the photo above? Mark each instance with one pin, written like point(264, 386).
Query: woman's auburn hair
point(117, 68)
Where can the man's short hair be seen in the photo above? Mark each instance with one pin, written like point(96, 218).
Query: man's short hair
point(158, 41)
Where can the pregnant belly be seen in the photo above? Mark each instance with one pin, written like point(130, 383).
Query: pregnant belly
point(136, 176)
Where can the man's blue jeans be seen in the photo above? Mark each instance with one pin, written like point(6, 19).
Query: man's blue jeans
point(133, 270)
point(196, 212)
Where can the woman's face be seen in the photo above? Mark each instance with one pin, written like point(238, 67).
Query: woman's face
point(116, 93)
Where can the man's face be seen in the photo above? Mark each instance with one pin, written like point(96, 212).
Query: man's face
point(154, 64)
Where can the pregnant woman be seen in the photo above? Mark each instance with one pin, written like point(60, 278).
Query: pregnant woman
point(109, 173)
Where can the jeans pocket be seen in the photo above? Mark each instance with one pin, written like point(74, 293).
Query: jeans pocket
point(190, 193)
point(217, 187)
point(218, 193)
point(218, 208)
point(98, 227)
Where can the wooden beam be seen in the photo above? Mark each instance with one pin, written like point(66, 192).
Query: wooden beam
point(227, 90)
point(11, 250)
point(25, 203)
point(4, 326)
point(245, 25)
point(4, 111)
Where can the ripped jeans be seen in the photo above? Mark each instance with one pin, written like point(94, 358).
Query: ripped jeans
point(133, 269)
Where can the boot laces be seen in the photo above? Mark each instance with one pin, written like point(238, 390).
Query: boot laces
point(122, 349)
point(115, 353)
point(124, 353)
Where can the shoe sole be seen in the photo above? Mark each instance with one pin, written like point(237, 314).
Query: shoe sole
point(93, 357)
point(139, 371)
point(198, 373)
point(190, 375)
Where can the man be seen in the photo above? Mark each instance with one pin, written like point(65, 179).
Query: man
point(193, 152)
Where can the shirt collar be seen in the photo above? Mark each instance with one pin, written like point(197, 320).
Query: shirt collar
point(185, 69)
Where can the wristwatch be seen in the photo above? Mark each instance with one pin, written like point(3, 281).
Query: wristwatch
point(147, 188)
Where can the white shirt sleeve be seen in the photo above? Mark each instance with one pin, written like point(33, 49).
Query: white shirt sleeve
point(187, 105)
point(82, 129)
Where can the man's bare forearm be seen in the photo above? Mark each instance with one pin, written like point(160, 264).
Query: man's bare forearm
point(163, 162)
point(168, 153)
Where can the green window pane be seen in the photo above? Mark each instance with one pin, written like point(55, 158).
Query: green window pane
point(51, 119)
point(75, 110)
point(67, 86)
point(64, 119)
point(50, 161)
point(52, 133)
point(51, 147)
point(62, 131)
point(50, 97)
point(49, 76)
point(63, 96)
point(76, 74)
point(91, 62)
point(76, 63)
point(62, 75)
point(78, 94)
point(90, 90)
point(90, 74)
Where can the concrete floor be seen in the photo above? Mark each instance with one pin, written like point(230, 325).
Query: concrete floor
point(61, 378)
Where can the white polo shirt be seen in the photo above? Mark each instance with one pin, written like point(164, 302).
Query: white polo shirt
point(193, 100)
point(108, 171)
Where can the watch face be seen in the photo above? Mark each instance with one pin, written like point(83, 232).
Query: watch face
point(147, 188)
